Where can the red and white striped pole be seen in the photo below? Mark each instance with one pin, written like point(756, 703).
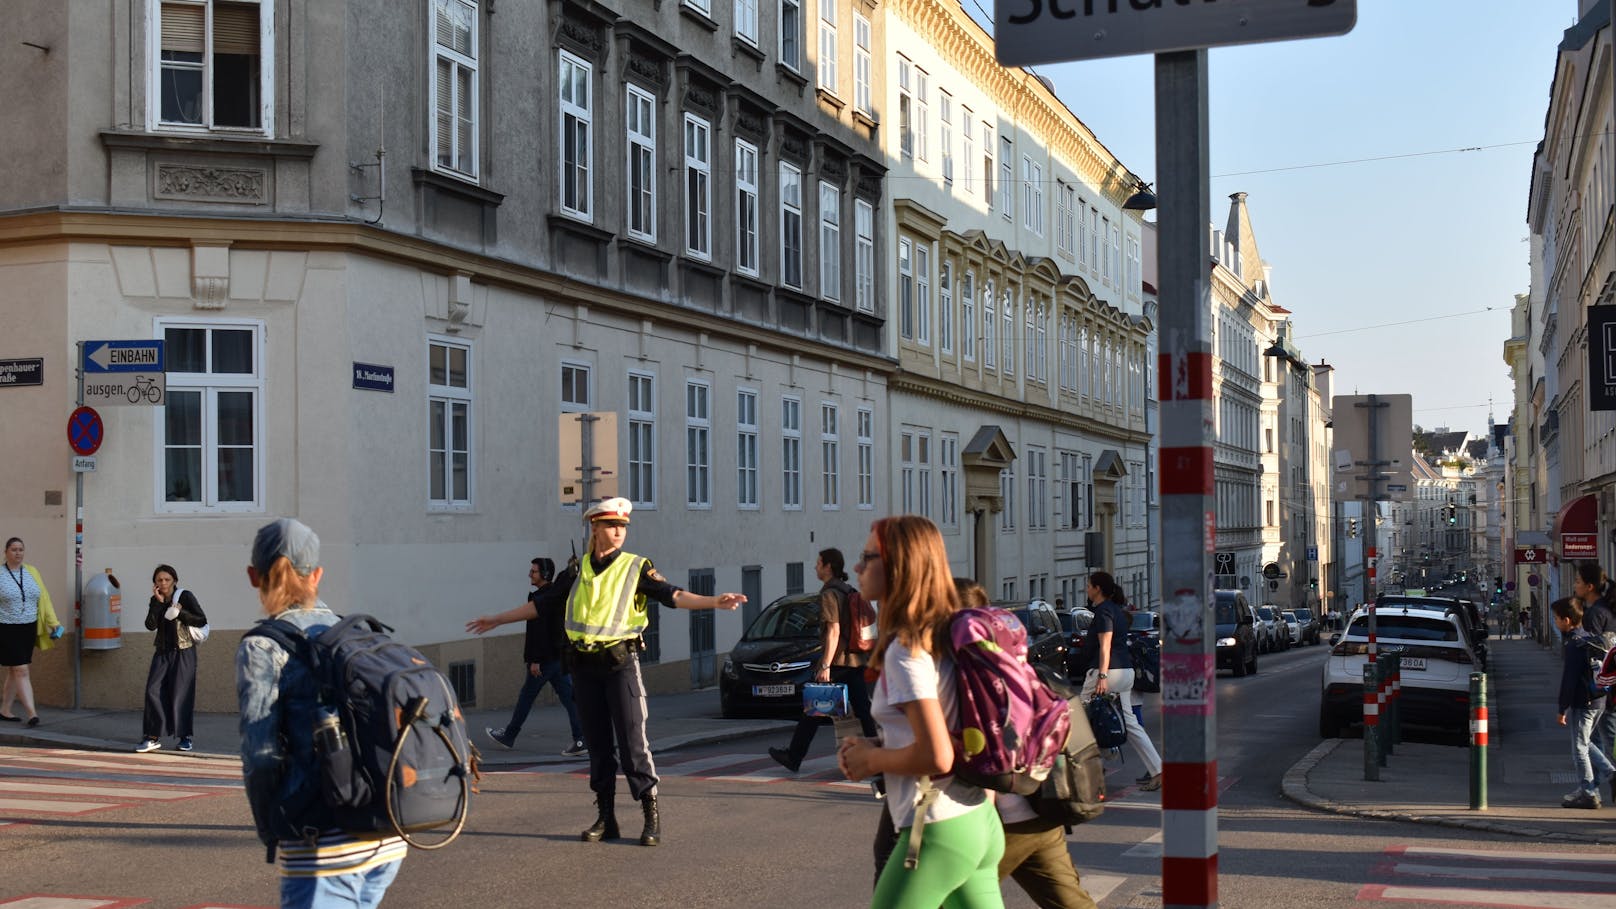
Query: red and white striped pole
point(1189, 517)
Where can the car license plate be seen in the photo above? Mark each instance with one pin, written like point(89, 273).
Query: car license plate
point(774, 691)
point(1413, 662)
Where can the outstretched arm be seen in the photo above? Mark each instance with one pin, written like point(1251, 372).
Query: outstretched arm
point(487, 623)
point(684, 599)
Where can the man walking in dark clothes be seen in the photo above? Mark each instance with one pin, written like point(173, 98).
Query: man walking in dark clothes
point(544, 650)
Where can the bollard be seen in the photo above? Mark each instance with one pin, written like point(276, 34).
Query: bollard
point(1478, 741)
point(1371, 724)
point(1392, 665)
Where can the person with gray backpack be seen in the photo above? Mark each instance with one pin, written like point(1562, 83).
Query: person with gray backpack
point(280, 699)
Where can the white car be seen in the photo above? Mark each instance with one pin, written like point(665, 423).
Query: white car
point(1437, 662)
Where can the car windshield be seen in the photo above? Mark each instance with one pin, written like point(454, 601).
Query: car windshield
point(786, 620)
point(1305, 615)
point(1289, 616)
point(1265, 613)
point(1406, 627)
point(1142, 621)
point(1076, 621)
point(1225, 612)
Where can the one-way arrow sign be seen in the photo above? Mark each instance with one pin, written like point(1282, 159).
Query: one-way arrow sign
point(123, 356)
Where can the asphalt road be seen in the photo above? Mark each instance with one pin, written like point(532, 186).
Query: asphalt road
point(89, 830)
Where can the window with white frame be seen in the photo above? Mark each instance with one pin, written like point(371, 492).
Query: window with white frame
point(577, 124)
point(791, 33)
point(1007, 589)
point(746, 21)
point(967, 322)
point(1116, 253)
point(1069, 501)
point(923, 473)
point(1094, 238)
point(1007, 312)
point(906, 471)
point(987, 165)
point(945, 306)
point(210, 444)
point(1043, 342)
point(906, 107)
point(791, 453)
point(945, 134)
point(948, 480)
point(1032, 195)
point(1030, 354)
point(1037, 488)
point(1007, 175)
point(923, 292)
point(454, 86)
point(1065, 199)
point(449, 399)
point(922, 115)
point(827, 69)
point(698, 445)
point(1131, 277)
point(746, 448)
point(1083, 377)
point(864, 255)
point(862, 101)
point(906, 288)
point(1086, 500)
point(830, 241)
point(790, 225)
point(866, 457)
point(212, 73)
point(1007, 492)
point(990, 331)
point(700, 6)
point(967, 146)
point(574, 387)
point(746, 207)
point(1082, 218)
point(640, 136)
point(698, 183)
point(641, 438)
point(830, 456)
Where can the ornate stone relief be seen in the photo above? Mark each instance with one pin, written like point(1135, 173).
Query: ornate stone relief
point(210, 184)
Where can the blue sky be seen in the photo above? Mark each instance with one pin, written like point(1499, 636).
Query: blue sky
point(1378, 242)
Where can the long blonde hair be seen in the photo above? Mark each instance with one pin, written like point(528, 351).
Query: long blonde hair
point(920, 596)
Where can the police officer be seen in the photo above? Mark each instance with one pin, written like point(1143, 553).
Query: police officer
point(606, 615)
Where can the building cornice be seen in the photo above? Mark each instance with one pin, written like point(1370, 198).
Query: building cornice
point(342, 236)
point(938, 390)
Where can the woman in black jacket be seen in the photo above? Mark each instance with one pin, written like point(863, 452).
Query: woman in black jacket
point(171, 682)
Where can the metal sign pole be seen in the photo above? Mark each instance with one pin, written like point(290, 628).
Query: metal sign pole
point(78, 551)
point(1189, 518)
point(1371, 409)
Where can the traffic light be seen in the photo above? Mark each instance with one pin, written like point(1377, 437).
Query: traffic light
point(1312, 583)
point(1498, 584)
point(1453, 515)
point(1352, 527)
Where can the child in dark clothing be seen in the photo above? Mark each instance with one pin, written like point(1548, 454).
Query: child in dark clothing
point(1579, 708)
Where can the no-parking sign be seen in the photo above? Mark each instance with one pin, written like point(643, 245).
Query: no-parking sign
point(84, 431)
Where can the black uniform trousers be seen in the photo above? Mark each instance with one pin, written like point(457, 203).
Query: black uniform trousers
point(611, 706)
point(170, 694)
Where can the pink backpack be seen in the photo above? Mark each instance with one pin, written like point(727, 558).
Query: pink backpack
point(1012, 726)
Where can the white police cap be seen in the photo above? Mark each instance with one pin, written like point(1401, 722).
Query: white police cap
point(616, 508)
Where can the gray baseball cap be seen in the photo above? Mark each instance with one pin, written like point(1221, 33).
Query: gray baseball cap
point(286, 537)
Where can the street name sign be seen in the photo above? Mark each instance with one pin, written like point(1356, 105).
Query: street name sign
point(124, 372)
point(26, 371)
point(1055, 31)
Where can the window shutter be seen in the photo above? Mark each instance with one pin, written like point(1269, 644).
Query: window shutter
point(235, 29)
point(183, 27)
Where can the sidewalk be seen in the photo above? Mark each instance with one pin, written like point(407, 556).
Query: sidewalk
point(676, 721)
point(1529, 761)
point(1528, 765)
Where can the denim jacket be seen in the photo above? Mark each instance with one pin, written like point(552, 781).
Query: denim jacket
point(279, 698)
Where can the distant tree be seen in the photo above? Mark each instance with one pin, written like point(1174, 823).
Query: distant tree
point(1422, 441)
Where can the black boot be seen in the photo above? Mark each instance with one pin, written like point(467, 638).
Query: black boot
point(605, 825)
point(652, 834)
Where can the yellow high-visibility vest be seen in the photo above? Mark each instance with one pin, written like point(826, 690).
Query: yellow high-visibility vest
point(607, 607)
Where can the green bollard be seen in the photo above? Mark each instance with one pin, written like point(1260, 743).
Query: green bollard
point(1478, 741)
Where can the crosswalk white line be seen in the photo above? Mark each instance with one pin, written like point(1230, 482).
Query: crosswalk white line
point(1099, 886)
point(1149, 847)
point(1513, 899)
point(1515, 855)
point(774, 773)
point(66, 902)
point(176, 768)
point(42, 806)
point(146, 793)
point(1501, 873)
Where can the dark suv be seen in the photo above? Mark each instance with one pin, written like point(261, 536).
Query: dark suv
point(1236, 632)
point(1046, 642)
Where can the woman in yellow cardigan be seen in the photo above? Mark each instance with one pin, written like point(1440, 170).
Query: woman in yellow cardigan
point(26, 621)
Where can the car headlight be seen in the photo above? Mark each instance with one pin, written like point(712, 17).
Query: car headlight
point(729, 667)
point(1226, 642)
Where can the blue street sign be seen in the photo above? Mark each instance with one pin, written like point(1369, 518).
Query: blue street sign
point(1312, 553)
point(372, 377)
point(123, 356)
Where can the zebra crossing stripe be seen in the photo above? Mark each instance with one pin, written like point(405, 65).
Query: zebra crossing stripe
point(42, 806)
point(1519, 855)
point(53, 901)
point(1461, 896)
point(1505, 872)
point(174, 768)
point(773, 773)
point(148, 793)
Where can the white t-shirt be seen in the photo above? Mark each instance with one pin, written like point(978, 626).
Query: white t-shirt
point(912, 675)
